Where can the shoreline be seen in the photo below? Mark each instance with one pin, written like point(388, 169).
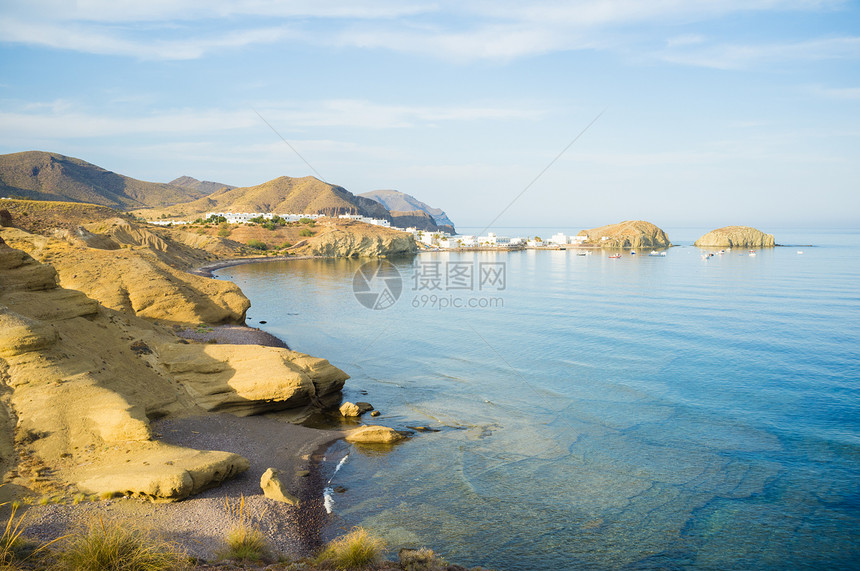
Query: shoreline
point(207, 269)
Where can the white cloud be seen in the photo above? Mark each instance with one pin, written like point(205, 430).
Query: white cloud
point(111, 41)
point(480, 29)
point(62, 119)
point(737, 56)
point(840, 93)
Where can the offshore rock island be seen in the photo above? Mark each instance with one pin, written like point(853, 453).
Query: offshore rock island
point(735, 237)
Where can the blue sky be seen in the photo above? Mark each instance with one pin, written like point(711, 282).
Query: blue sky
point(714, 112)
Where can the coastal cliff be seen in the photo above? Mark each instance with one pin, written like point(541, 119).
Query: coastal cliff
point(84, 380)
point(628, 234)
point(735, 237)
point(357, 240)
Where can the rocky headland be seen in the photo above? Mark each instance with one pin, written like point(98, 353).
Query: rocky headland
point(735, 237)
point(628, 234)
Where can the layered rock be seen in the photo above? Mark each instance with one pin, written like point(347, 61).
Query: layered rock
point(628, 234)
point(735, 237)
point(133, 280)
point(359, 240)
point(84, 382)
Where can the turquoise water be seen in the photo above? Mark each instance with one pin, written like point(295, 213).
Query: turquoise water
point(644, 412)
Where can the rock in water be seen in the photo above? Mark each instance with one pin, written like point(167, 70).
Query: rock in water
point(349, 409)
point(374, 435)
point(735, 237)
point(273, 488)
point(628, 234)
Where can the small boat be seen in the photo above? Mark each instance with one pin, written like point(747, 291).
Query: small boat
point(632, 253)
point(752, 252)
point(615, 256)
point(800, 251)
point(663, 254)
point(582, 253)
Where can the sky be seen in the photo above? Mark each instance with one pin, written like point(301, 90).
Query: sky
point(570, 114)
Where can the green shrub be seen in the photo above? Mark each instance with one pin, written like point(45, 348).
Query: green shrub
point(120, 548)
point(257, 245)
point(308, 221)
point(286, 245)
point(354, 550)
point(306, 232)
point(224, 232)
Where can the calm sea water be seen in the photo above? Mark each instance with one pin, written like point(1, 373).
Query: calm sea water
point(642, 412)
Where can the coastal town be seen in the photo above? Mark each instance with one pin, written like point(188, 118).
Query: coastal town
point(427, 240)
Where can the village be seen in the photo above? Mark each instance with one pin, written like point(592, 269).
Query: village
point(427, 240)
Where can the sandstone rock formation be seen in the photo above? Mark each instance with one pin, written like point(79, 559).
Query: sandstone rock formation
point(133, 279)
point(349, 409)
point(371, 434)
point(735, 237)
point(83, 382)
point(628, 234)
point(359, 240)
point(274, 488)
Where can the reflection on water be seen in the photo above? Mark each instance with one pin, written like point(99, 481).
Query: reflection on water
point(643, 412)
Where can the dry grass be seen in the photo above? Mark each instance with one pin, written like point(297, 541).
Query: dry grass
point(244, 541)
point(355, 550)
point(119, 548)
point(14, 548)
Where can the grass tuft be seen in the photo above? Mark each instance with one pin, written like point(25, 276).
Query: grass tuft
point(421, 560)
point(244, 541)
point(355, 550)
point(119, 548)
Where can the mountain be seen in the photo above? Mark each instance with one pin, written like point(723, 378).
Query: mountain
point(415, 218)
point(285, 195)
point(203, 186)
point(400, 201)
point(50, 176)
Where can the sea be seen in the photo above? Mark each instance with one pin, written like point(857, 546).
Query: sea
point(684, 411)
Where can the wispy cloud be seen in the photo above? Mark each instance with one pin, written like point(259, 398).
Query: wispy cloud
point(62, 119)
point(839, 93)
point(481, 29)
point(746, 56)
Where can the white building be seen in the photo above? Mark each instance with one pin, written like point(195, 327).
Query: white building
point(366, 220)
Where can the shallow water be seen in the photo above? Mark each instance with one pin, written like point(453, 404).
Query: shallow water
point(642, 412)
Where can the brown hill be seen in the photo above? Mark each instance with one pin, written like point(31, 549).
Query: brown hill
point(414, 218)
point(50, 176)
point(627, 234)
point(287, 195)
point(203, 186)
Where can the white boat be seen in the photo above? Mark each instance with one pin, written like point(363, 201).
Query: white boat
point(752, 252)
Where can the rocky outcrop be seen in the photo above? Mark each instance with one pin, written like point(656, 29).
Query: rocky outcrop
point(133, 279)
point(275, 489)
point(735, 237)
point(628, 234)
point(249, 379)
point(359, 240)
point(372, 434)
point(83, 382)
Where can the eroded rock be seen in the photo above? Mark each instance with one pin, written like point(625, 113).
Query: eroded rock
point(274, 488)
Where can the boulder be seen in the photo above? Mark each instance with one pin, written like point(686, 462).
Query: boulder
point(372, 434)
point(735, 237)
point(274, 489)
point(349, 409)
